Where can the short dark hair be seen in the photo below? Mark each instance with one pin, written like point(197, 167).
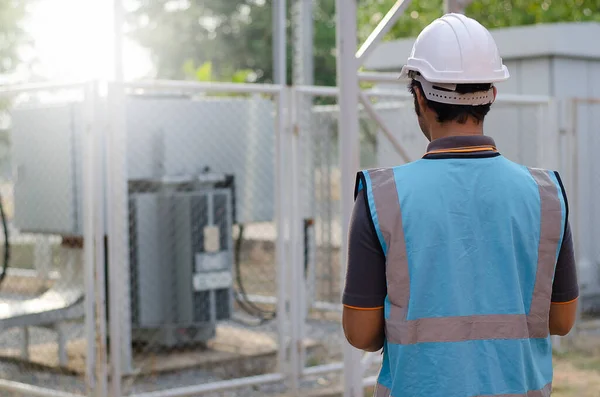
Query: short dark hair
point(459, 113)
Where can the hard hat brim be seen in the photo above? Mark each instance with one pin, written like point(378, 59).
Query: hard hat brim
point(435, 76)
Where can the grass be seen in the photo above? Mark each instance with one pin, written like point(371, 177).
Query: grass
point(577, 373)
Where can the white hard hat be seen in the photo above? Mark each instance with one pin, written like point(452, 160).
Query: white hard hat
point(455, 49)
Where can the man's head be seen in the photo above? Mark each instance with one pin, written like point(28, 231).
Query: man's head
point(452, 69)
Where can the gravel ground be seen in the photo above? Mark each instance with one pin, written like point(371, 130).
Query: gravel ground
point(327, 332)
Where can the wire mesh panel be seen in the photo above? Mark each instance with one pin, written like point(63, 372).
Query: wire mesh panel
point(197, 181)
point(43, 339)
point(320, 137)
point(320, 184)
point(317, 125)
point(584, 187)
point(576, 361)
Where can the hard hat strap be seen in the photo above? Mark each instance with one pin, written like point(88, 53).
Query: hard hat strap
point(448, 94)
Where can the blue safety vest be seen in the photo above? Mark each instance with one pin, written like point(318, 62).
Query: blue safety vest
point(471, 247)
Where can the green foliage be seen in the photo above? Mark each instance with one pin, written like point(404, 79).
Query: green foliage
point(201, 73)
point(235, 36)
point(12, 33)
point(491, 13)
point(241, 76)
point(231, 35)
point(12, 37)
point(205, 73)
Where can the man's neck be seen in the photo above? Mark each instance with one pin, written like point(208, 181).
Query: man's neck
point(455, 129)
point(461, 141)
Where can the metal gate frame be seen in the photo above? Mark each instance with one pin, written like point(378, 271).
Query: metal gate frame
point(93, 253)
point(287, 244)
point(349, 62)
point(578, 140)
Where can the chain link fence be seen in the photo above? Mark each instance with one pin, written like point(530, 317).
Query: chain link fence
point(318, 115)
point(190, 229)
point(44, 344)
point(584, 209)
point(576, 360)
point(195, 175)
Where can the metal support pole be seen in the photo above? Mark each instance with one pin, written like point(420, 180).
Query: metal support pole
point(281, 200)
point(88, 236)
point(303, 42)
point(117, 217)
point(95, 282)
point(382, 28)
point(279, 42)
point(302, 39)
point(347, 76)
point(296, 260)
point(281, 190)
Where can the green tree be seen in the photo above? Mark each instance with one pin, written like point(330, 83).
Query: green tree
point(236, 35)
point(12, 38)
point(490, 13)
point(231, 35)
point(12, 33)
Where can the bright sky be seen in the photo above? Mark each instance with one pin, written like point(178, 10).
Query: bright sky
point(74, 41)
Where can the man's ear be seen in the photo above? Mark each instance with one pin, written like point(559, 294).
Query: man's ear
point(421, 98)
point(495, 92)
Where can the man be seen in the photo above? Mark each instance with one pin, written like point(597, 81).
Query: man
point(460, 264)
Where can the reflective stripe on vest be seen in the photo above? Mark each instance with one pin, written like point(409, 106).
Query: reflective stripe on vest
point(401, 331)
point(382, 391)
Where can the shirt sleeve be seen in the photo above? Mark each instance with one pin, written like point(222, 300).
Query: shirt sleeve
point(366, 286)
point(565, 287)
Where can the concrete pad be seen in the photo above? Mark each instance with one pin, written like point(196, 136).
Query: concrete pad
point(234, 352)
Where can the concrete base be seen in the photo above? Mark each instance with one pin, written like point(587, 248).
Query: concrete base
point(234, 352)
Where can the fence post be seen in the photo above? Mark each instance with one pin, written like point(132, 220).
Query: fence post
point(93, 224)
point(117, 219)
point(297, 270)
point(282, 227)
point(349, 160)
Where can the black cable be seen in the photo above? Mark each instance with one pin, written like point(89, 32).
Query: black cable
point(307, 224)
point(241, 297)
point(6, 243)
point(243, 301)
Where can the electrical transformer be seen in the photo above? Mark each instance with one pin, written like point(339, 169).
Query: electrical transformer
point(180, 216)
point(181, 255)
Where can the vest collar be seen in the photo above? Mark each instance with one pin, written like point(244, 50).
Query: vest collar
point(459, 142)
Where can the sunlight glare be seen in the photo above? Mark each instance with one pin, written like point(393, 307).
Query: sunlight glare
point(73, 40)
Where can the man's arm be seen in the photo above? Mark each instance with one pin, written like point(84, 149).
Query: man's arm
point(565, 290)
point(365, 289)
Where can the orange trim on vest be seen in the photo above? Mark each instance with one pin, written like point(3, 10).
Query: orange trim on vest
point(565, 303)
point(363, 308)
point(472, 149)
